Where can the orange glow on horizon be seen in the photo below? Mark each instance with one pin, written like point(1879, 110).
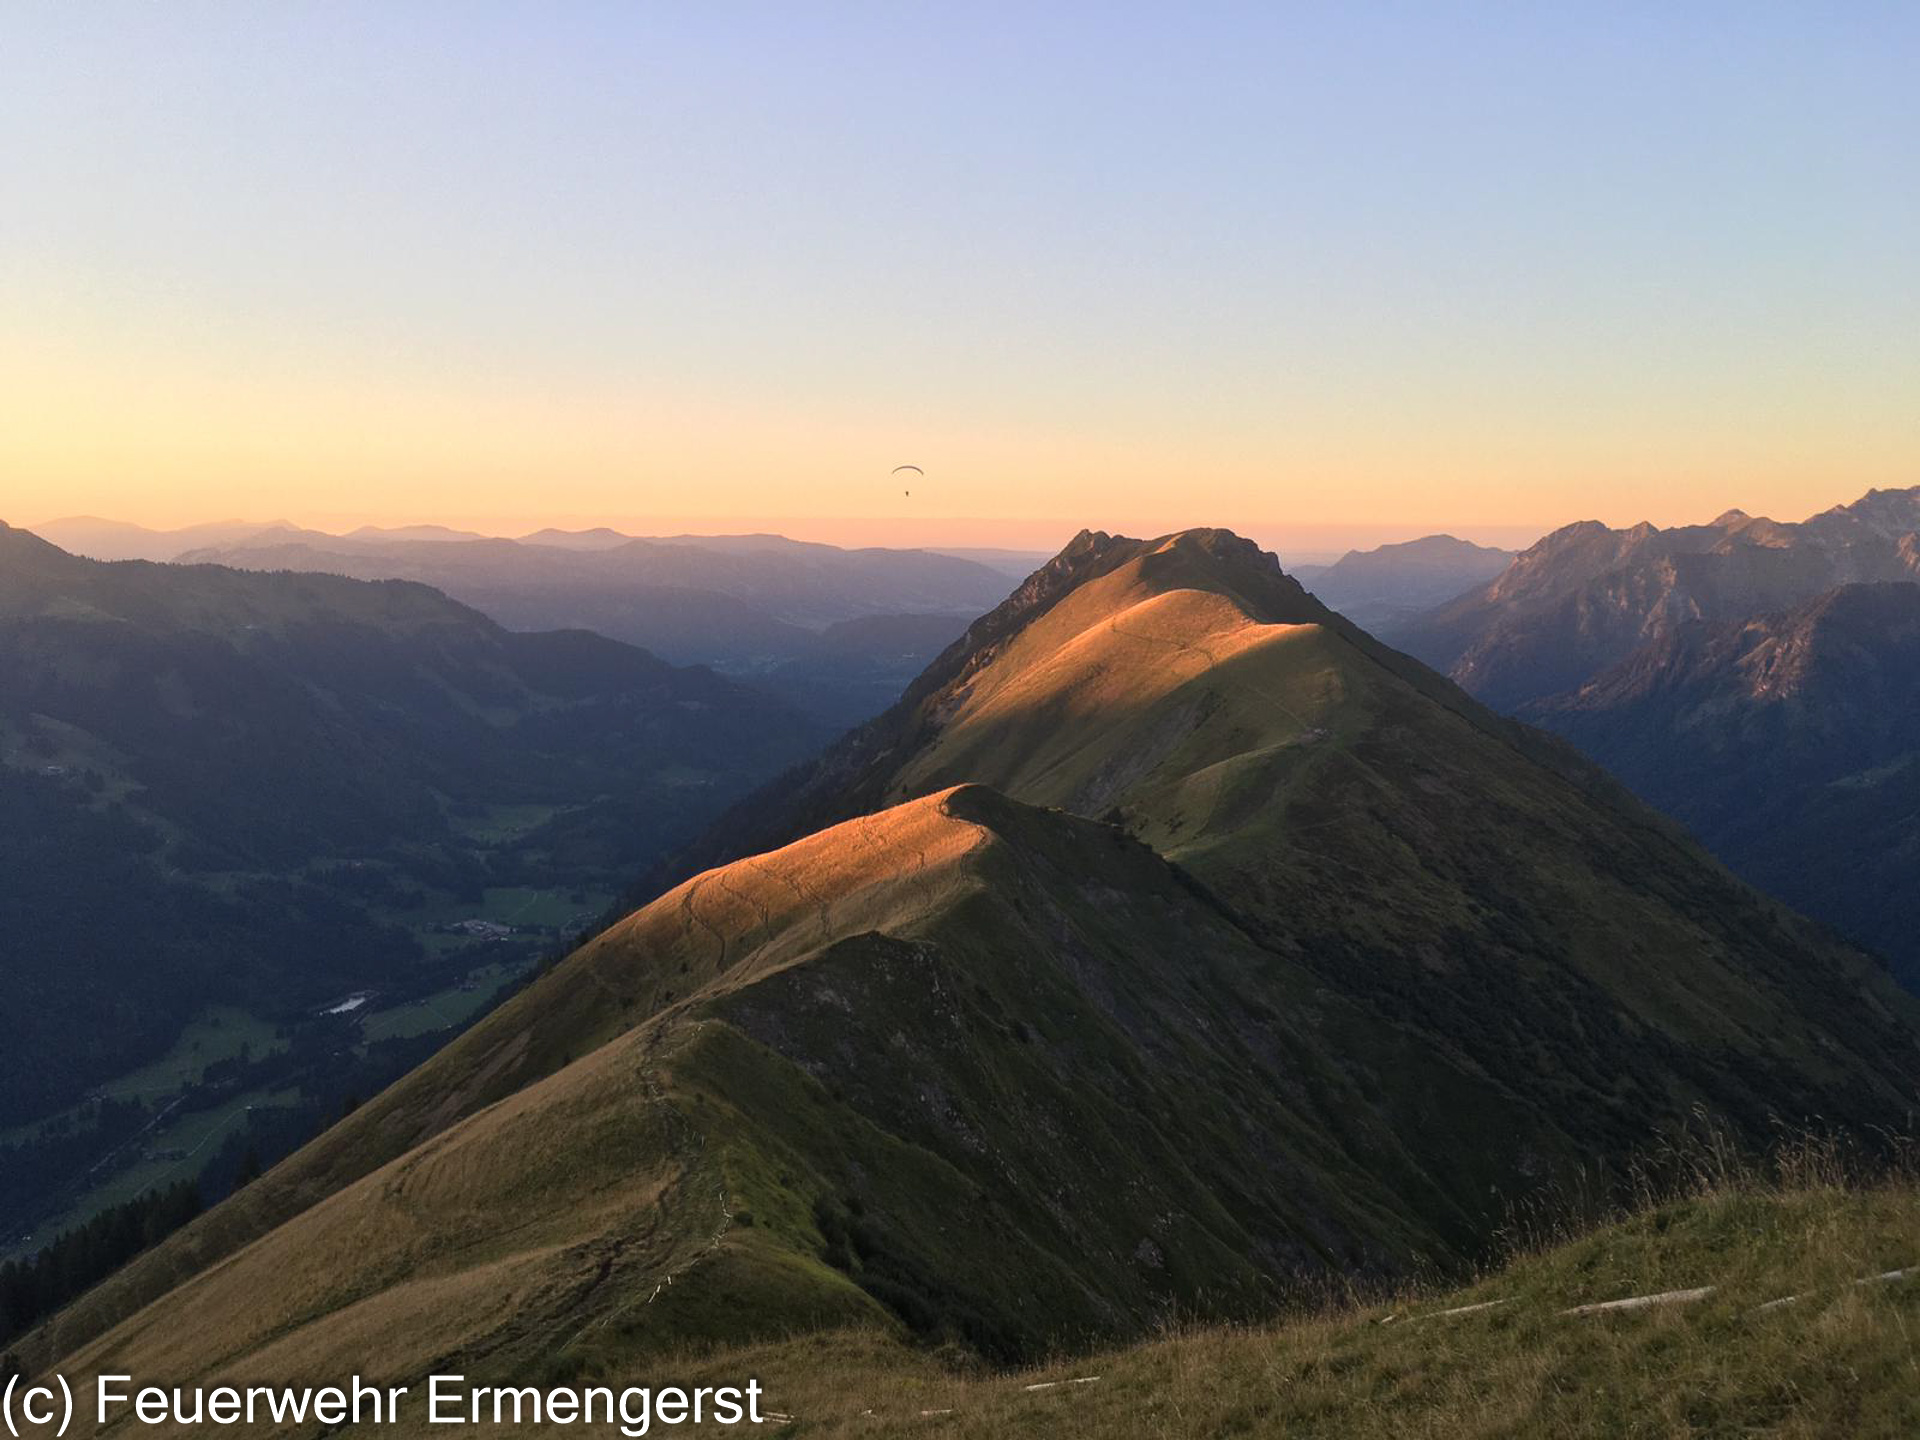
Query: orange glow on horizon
point(122, 423)
point(173, 449)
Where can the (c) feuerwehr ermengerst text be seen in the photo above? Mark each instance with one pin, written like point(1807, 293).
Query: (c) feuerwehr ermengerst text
point(47, 1405)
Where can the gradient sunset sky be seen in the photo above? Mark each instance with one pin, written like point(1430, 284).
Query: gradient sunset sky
point(1342, 268)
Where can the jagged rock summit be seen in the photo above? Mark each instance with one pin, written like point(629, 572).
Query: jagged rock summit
point(1585, 597)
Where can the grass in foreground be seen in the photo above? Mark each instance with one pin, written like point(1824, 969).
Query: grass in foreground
point(1841, 1360)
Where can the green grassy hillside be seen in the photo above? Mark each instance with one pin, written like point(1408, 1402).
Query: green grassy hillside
point(1841, 1359)
point(1043, 1005)
point(1790, 1308)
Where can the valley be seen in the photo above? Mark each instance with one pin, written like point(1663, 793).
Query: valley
point(261, 798)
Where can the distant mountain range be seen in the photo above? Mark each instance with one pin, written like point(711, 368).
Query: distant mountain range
point(794, 583)
point(1586, 597)
point(1017, 564)
point(1391, 584)
point(265, 792)
point(1171, 947)
point(754, 607)
point(751, 606)
point(99, 539)
point(94, 538)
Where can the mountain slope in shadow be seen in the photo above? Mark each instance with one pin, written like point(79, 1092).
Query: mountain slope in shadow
point(1790, 743)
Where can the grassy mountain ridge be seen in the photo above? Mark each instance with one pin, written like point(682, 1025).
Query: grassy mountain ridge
point(858, 771)
point(731, 993)
point(1313, 779)
point(1340, 966)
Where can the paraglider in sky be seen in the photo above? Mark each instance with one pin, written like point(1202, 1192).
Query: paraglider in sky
point(914, 468)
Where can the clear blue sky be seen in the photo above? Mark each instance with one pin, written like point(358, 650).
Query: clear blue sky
point(1493, 265)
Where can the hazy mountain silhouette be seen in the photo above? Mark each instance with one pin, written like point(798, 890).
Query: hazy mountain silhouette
point(751, 606)
point(98, 539)
point(1390, 584)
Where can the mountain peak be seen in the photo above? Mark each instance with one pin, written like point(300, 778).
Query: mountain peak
point(1110, 614)
point(1210, 542)
point(1891, 513)
point(1573, 532)
point(1585, 597)
point(1204, 559)
point(1217, 540)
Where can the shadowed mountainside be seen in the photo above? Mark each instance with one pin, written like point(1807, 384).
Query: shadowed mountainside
point(1789, 743)
point(906, 1043)
point(1751, 678)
